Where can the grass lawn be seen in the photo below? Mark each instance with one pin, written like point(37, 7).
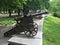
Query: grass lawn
point(6, 21)
point(51, 32)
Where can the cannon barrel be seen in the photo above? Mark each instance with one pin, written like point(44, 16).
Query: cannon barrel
point(37, 14)
point(32, 15)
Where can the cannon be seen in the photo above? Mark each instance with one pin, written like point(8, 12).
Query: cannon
point(25, 24)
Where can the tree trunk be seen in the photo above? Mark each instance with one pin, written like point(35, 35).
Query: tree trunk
point(18, 11)
point(9, 12)
point(25, 9)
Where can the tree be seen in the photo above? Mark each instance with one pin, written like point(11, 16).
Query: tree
point(35, 5)
point(26, 5)
point(10, 5)
point(55, 7)
point(14, 4)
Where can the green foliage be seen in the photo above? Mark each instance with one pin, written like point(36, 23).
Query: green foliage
point(51, 32)
point(55, 7)
point(32, 4)
point(6, 21)
point(10, 4)
point(38, 4)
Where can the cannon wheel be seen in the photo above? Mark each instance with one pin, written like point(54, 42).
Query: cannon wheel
point(32, 31)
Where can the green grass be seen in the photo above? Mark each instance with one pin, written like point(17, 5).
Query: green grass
point(51, 32)
point(6, 21)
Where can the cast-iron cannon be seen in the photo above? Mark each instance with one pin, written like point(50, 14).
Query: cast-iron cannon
point(25, 24)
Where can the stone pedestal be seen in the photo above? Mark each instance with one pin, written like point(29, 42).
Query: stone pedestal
point(16, 40)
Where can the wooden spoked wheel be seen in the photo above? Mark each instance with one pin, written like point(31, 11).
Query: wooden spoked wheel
point(32, 31)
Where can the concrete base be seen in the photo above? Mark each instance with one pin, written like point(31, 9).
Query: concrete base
point(20, 40)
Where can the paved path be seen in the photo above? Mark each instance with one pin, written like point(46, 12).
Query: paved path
point(3, 40)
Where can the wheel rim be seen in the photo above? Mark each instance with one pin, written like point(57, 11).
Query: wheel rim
point(35, 27)
point(33, 31)
point(27, 33)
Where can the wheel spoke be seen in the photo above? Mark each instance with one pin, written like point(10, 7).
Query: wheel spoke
point(34, 33)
